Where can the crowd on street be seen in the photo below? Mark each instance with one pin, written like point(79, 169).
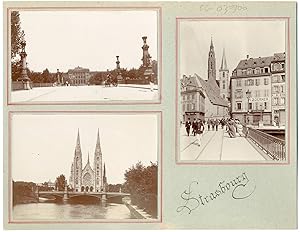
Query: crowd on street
point(197, 127)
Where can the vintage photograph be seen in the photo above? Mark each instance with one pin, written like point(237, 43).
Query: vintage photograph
point(233, 89)
point(83, 56)
point(96, 167)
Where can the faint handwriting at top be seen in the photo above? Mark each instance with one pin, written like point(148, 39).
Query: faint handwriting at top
point(223, 9)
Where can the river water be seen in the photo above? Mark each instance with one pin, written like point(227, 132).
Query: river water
point(65, 211)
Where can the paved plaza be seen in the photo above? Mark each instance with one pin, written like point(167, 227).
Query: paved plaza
point(217, 145)
point(85, 93)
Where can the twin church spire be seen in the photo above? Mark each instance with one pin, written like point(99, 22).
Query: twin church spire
point(87, 178)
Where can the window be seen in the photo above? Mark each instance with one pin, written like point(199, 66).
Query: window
point(257, 82)
point(265, 105)
point(223, 74)
point(238, 83)
point(246, 82)
point(223, 84)
point(239, 105)
point(266, 81)
point(282, 100)
point(257, 93)
point(256, 105)
point(281, 88)
point(282, 65)
point(283, 78)
point(251, 82)
point(275, 101)
point(266, 93)
point(266, 70)
point(239, 94)
point(250, 106)
point(275, 89)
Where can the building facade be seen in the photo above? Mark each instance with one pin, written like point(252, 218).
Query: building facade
point(252, 91)
point(88, 179)
point(278, 89)
point(192, 99)
point(79, 76)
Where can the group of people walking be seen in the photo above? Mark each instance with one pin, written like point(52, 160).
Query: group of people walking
point(198, 128)
point(233, 127)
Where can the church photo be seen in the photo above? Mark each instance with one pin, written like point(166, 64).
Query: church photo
point(94, 166)
point(231, 90)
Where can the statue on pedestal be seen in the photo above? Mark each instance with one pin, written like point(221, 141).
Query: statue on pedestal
point(24, 77)
point(147, 64)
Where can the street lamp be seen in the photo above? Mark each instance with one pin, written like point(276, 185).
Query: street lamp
point(248, 93)
point(261, 114)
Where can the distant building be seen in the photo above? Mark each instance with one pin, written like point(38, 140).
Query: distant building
point(88, 179)
point(216, 107)
point(278, 88)
point(224, 79)
point(251, 89)
point(192, 99)
point(79, 76)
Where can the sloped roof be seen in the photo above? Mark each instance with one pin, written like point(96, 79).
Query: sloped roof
point(279, 56)
point(211, 92)
point(255, 62)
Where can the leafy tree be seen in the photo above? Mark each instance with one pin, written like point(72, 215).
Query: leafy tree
point(97, 79)
point(60, 182)
point(141, 183)
point(115, 187)
point(17, 35)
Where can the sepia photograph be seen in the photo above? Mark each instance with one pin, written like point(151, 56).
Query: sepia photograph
point(94, 167)
point(83, 56)
point(233, 89)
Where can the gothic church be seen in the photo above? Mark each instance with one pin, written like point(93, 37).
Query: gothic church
point(88, 179)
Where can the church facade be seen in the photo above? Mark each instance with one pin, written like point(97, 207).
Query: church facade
point(88, 178)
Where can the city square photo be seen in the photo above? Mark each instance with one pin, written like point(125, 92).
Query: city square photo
point(83, 56)
point(95, 167)
point(232, 90)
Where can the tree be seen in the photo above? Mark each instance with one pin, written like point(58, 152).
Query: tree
point(60, 182)
point(17, 35)
point(141, 183)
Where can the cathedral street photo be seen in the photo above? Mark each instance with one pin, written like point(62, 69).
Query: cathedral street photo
point(70, 56)
point(232, 90)
point(85, 167)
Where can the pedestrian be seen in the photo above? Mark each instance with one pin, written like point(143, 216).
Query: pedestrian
point(194, 126)
point(231, 129)
point(208, 124)
point(188, 126)
point(239, 128)
point(216, 124)
point(212, 124)
point(200, 129)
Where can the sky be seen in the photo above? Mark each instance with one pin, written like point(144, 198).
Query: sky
point(91, 39)
point(43, 145)
point(238, 38)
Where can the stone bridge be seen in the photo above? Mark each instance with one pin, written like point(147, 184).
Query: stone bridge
point(65, 195)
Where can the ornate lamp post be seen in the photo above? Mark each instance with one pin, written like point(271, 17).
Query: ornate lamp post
point(261, 122)
point(24, 77)
point(248, 93)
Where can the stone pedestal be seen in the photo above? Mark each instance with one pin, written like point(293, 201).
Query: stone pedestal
point(24, 77)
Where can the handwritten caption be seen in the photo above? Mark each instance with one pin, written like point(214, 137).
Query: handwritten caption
point(239, 188)
point(223, 9)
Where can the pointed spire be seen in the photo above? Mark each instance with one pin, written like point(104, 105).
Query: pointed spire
point(211, 42)
point(104, 171)
point(88, 158)
point(224, 63)
point(78, 138)
point(98, 141)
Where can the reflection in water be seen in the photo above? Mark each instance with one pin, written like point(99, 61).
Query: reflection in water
point(72, 210)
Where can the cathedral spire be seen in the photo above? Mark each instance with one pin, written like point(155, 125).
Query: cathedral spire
point(224, 63)
point(78, 142)
point(211, 43)
point(88, 158)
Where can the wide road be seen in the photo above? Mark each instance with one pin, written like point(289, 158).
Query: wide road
point(216, 146)
point(85, 94)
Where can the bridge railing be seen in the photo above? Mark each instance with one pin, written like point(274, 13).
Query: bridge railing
point(274, 147)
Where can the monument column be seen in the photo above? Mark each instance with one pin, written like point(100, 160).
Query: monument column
point(24, 77)
point(148, 72)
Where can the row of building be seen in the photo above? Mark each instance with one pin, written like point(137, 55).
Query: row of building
point(254, 93)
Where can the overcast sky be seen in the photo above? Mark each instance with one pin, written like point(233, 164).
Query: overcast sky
point(124, 140)
point(90, 39)
point(239, 38)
